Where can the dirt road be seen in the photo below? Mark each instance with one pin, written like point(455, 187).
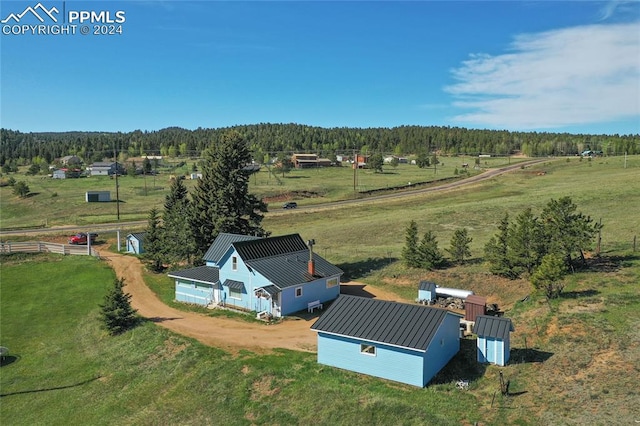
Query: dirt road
point(222, 333)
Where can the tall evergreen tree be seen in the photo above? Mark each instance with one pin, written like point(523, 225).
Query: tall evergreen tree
point(221, 200)
point(496, 251)
point(410, 250)
point(526, 243)
point(116, 312)
point(566, 231)
point(460, 241)
point(177, 238)
point(153, 248)
point(548, 276)
point(429, 253)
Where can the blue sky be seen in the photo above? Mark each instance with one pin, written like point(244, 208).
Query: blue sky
point(515, 65)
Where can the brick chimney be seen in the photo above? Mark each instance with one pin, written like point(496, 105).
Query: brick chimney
point(311, 265)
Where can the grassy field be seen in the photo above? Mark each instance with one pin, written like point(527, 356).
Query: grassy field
point(62, 201)
point(574, 361)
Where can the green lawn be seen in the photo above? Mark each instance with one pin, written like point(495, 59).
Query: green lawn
point(67, 370)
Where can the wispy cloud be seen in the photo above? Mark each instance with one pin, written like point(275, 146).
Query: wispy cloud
point(618, 7)
point(578, 75)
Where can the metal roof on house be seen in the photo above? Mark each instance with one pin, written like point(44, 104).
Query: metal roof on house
point(270, 289)
point(203, 274)
point(137, 235)
point(381, 321)
point(236, 285)
point(267, 247)
point(292, 269)
point(427, 286)
point(222, 243)
point(494, 327)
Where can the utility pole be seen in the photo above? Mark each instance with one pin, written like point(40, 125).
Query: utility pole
point(115, 156)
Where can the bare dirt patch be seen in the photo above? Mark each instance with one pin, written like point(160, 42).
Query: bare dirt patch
point(223, 333)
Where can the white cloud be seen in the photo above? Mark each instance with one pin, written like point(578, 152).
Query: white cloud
point(578, 75)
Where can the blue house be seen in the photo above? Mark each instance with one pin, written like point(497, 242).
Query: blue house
point(493, 339)
point(277, 275)
point(396, 341)
point(135, 242)
point(426, 291)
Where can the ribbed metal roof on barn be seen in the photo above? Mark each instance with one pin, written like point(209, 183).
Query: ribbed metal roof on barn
point(222, 243)
point(268, 247)
point(204, 274)
point(381, 321)
point(427, 285)
point(494, 327)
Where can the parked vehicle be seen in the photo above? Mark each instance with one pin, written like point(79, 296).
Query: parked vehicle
point(81, 238)
point(290, 205)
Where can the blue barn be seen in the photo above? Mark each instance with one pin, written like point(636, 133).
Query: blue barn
point(493, 339)
point(277, 275)
point(395, 341)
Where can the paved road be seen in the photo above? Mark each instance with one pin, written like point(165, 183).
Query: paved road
point(488, 174)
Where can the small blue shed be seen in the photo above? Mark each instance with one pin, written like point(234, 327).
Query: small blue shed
point(426, 291)
point(395, 341)
point(493, 339)
point(135, 242)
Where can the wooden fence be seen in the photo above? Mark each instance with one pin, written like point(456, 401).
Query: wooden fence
point(45, 247)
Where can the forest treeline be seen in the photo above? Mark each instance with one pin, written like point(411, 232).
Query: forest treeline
point(267, 140)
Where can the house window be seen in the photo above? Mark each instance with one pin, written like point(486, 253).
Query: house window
point(332, 282)
point(367, 349)
point(235, 293)
point(298, 291)
point(234, 263)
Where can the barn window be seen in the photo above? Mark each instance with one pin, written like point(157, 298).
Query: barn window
point(298, 291)
point(234, 263)
point(367, 349)
point(332, 282)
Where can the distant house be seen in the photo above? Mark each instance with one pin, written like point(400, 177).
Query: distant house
point(426, 291)
point(396, 341)
point(493, 339)
point(276, 275)
point(59, 174)
point(70, 160)
point(302, 161)
point(135, 242)
point(105, 168)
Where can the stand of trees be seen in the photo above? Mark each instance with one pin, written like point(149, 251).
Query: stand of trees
point(266, 138)
point(221, 202)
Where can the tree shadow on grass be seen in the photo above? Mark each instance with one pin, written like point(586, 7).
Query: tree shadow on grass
point(356, 290)
point(522, 355)
point(578, 294)
point(50, 389)
point(356, 270)
point(610, 263)
point(7, 360)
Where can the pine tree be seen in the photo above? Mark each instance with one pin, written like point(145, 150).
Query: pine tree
point(496, 251)
point(460, 245)
point(428, 252)
point(116, 312)
point(526, 244)
point(566, 231)
point(153, 242)
point(410, 250)
point(178, 244)
point(549, 274)
point(221, 200)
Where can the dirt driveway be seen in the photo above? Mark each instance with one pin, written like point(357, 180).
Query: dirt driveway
point(223, 333)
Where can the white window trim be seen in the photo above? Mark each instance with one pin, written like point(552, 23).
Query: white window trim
point(365, 346)
point(234, 263)
point(295, 292)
